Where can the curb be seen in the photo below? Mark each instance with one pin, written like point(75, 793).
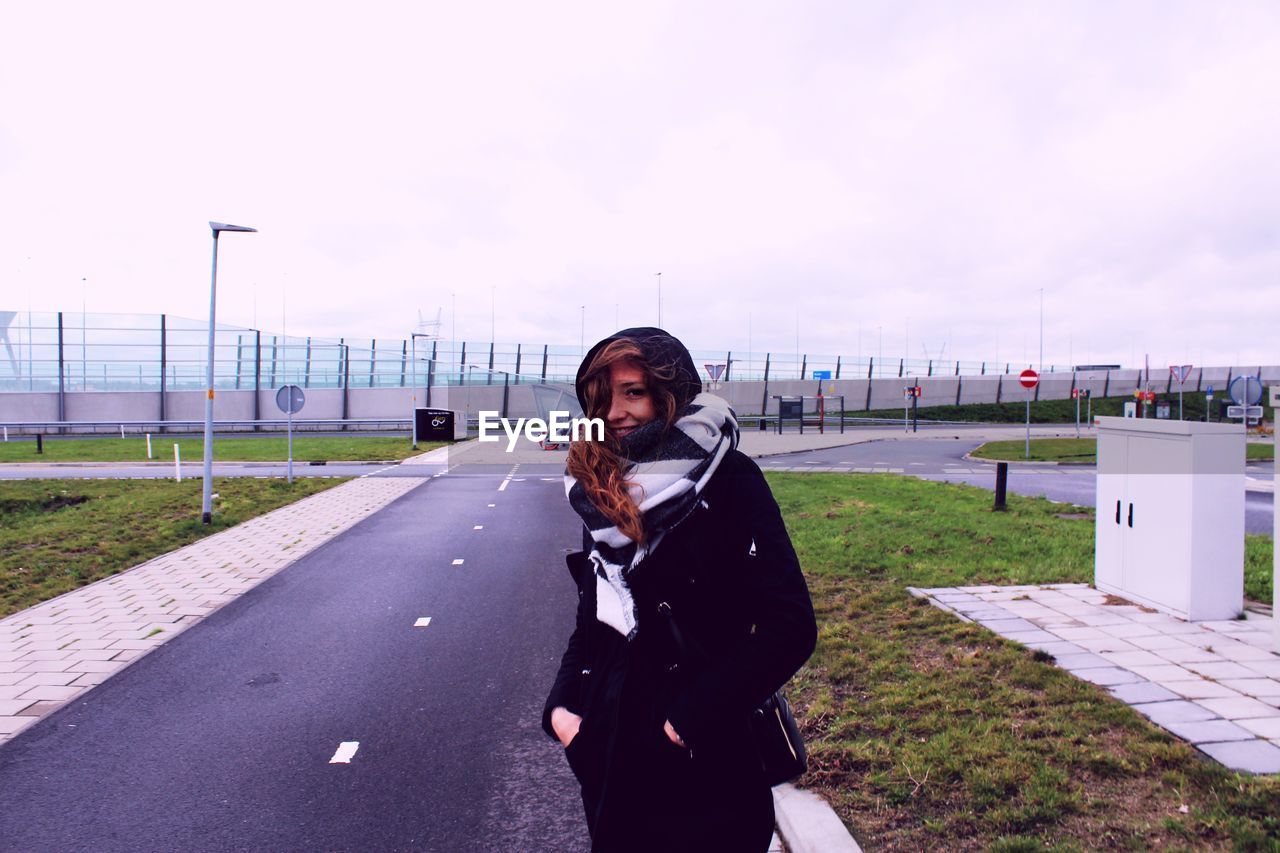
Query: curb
point(807, 824)
point(152, 464)
point(971, 458)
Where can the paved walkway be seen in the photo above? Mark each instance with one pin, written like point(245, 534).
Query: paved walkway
point(1214, 684)
point(53, 652)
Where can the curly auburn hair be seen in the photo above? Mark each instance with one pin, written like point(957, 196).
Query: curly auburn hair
point(599, 465)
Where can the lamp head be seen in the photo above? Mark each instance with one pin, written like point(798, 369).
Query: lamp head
point(222, 226)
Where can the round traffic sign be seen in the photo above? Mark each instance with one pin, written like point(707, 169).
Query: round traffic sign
point(290, 399)
point(1236, 390)
point(1029, 378)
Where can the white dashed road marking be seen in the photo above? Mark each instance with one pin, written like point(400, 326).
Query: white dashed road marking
point(478, 527)
point(457, 562)
point(423, 622)
point(346, 751)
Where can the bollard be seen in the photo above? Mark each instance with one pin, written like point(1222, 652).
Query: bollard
point(148, 445)
point(1002, 482)
point(122, 430)
point(177, 463)
point(39, 443)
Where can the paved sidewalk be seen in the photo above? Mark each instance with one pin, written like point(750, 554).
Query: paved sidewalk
point(1214, 684)
point(54, 651)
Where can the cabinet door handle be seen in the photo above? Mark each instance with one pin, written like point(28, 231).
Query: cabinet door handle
point(1131, 515)
point(1117, 512)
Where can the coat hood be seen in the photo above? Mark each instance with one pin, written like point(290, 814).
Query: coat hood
point(660, 350)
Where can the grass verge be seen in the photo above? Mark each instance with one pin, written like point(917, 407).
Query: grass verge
point(1084, 450)
point(1056, 411)
point(265, 448)
point(928, 732)
point(58, 535)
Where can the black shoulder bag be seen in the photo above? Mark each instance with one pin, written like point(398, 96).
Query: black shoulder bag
point(774, 732)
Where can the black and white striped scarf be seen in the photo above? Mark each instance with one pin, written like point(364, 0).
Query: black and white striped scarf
point(667, 472)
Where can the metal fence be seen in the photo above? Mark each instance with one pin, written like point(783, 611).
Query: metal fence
point(67, 351)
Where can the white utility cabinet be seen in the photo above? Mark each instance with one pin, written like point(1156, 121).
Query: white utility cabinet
point(1170, 518)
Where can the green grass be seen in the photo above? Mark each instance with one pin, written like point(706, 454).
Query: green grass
point(1014, 411)
point(1083, 450)
point(928, 732)
point(1042, 450)
point(58, 535)
point(272, 448)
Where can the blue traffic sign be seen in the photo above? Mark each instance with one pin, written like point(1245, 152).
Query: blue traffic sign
point(822, 374)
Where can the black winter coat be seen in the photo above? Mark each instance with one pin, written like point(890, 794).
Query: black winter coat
point(729, 577)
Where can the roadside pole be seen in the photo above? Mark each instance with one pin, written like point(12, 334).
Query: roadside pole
point(1029, 379)
point(1076, 393)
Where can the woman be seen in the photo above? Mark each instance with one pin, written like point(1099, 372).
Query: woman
point(682, 537)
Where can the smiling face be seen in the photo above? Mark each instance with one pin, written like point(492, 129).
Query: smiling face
point(631, 401)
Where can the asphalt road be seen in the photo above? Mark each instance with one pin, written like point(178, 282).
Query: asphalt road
point(221, 739)
point(943, 459)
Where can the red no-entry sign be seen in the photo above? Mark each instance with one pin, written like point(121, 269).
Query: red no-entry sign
point(1029, 378)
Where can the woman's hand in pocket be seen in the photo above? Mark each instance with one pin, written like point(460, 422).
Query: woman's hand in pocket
point(566, 725)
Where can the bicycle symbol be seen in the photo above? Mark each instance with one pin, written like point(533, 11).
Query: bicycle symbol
point(437, 422)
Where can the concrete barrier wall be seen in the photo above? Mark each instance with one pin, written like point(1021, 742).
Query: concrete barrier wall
point(745, 397)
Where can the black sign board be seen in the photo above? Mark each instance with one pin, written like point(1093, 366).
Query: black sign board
point(433, 424)
point(790, 408)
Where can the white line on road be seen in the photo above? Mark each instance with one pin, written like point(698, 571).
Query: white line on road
point(346, 751)
point(457, 562)
point(478, 527)
point(423, 622)
point(491, 506)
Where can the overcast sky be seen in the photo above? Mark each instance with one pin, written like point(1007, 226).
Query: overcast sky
point(919, 171)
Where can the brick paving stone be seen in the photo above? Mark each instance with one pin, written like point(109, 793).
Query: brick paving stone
point(1057, 648)
point(1241, 652)
point(1268, 727)
point(1238, 708)
point(1108, 644)
point(52, 679)
point(1164, 672)
point(49, 665)
point(1027, 637)
point(1086, 660)
point(34, 656)
point(1268, 668)
point(1263, 688)
point(1255, 756)
point(99, 666)
point(1132, 659)
point(1108, 676)
point(95, 654)
point(12, 724)
point(1188, 655)
point(39, 709)
point(1130, 630)
point(91, 679)
point(13, 707)
point(1222, 669)
point(11, 677)
point(1209, 731)
point(12, 691)
point(1102, 620)
point(50, 692)
point(1077, 634)
point(1200, 689)
point(1140, 692)
point(1176, 711)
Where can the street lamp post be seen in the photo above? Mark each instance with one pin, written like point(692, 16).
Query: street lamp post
point(206, 506)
